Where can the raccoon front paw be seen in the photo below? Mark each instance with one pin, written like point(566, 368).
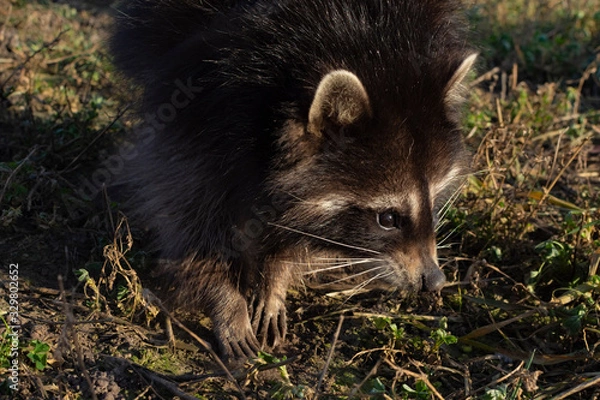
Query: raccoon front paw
point(232, 328)
point(269, 320)
point(237, 341)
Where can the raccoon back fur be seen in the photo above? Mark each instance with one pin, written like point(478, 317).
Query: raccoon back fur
point(290, 136)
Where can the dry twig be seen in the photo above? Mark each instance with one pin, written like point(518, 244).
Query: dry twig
point(330, 355)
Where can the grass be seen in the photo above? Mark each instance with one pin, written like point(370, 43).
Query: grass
point(521, 319)
point(550, 40)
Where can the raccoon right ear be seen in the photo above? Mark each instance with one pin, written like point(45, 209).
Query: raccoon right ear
point(455, 88)
point(340, 100)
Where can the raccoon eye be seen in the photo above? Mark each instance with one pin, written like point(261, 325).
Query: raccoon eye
point(388, 220)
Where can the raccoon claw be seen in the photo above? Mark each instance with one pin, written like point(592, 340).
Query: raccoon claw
point(234, 346)
point(269, 321)
point(234, 333)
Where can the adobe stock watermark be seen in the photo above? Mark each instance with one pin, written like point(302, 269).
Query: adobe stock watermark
point(13, 326)
point(145, 132)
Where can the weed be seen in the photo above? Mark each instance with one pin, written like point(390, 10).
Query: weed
point(38, 354)
point(284, 388)
point(5, 345)
point(158, 360)
point(375, 387)
point(386, 324)
point(498, 393)
point(442, 337)
point(421, 391)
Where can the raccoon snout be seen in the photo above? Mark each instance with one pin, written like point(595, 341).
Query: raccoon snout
point(433, 279)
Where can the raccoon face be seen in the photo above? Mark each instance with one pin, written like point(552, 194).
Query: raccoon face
point(368, 186)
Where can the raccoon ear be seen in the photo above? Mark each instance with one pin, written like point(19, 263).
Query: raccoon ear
point(340, 100)
point(455, 88)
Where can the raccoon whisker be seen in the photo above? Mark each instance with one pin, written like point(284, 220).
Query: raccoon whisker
point(376, 277)
point(309, 263)
point(362, 285)
point(341, 259)
point(455, 194)
point(293, 196)
point(324, 239)
point(334, 263)
point(442, 242)
point(344, 265)
point(356, 275)
point(344, 260)
point(316, 271)
point(446, 246)
point(446, 207)
point(332, 260)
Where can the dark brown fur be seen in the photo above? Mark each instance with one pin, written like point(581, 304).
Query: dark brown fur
point(257, 162)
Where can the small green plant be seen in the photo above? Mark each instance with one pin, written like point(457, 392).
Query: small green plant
point(284, 389)
point(375, 387)
point(573, 319)
point(442, 336)
point(421, 391)
point(385, 324)
point(497, 393)
point(38, 354)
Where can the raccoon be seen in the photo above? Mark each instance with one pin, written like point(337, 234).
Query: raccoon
point(289, 136)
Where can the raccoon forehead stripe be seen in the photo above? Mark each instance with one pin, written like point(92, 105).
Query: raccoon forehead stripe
point(387, 201)
point(414, 203)
point(332, 203)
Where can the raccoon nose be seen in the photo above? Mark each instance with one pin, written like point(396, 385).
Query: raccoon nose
point(433, 279)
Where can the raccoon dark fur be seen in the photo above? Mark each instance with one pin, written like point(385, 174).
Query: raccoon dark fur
point(289, 136)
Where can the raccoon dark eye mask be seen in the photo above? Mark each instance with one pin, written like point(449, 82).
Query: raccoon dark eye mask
point(316, 137)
